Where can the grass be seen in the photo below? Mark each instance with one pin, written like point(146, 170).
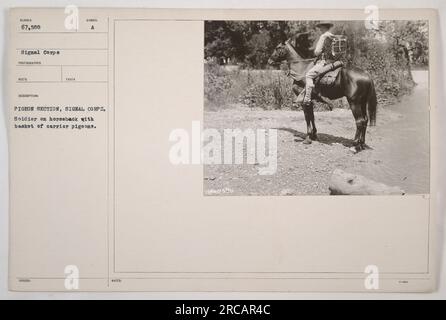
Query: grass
point(264, 89)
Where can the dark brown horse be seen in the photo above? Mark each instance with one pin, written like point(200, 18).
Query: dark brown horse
point(353, 83)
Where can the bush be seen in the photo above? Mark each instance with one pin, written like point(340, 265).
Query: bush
point(265, 89)
point(268, 89)
point(217, 85)
point(389, 71)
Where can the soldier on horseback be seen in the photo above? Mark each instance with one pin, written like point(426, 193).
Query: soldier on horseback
point(323, 53)
point(332, 81)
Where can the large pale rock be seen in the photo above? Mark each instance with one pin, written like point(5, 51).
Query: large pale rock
point(342, 182)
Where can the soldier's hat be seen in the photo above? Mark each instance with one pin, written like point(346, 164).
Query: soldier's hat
point(325, 23)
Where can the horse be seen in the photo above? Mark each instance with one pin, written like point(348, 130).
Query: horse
point(353, 83)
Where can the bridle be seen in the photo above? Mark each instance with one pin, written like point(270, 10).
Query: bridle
point(290, 48)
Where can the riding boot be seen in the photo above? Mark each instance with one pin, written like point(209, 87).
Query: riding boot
point(307, 97)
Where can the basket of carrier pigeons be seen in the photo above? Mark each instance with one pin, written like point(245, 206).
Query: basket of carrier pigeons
point(339, 46)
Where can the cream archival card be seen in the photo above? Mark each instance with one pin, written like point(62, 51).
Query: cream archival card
point(222, 150)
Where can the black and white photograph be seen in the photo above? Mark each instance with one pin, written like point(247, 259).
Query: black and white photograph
point(222, 152)
point(316, 108)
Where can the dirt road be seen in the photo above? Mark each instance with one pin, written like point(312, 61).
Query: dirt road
point(398, 153)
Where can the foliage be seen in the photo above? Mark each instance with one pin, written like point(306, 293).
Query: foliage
point(387, 53)
point(267, 90)
point(376, 53)
point(247, 42)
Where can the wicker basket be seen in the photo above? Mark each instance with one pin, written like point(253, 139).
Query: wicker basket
point(339, 46)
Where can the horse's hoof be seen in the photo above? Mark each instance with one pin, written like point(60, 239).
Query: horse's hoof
point(314, 137)
point(357, 148)
point(353, 150)
point(307, 141)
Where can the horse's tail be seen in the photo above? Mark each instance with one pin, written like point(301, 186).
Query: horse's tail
point(372, 103)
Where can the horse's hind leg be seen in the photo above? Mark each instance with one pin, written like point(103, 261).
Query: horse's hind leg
point(360, 115)
point(364, 124)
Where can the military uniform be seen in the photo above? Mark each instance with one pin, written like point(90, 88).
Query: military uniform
point(323, 55)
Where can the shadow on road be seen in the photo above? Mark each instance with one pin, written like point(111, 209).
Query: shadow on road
point(322, 137)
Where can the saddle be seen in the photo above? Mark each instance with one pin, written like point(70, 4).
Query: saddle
point(329, 74)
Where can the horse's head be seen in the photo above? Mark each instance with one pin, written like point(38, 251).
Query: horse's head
point(300, 43)
point(279, 54)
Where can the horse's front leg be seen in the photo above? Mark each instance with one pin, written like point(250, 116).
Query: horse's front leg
point(313, 134)
point(309, 116)
point(311, 126)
